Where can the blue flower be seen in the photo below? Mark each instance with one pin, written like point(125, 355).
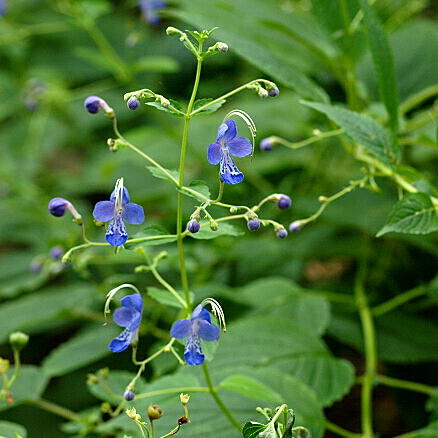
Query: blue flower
point(198, 327)
point(149, 9)
point(228, 144)
point(115, 211)
point(129, 316)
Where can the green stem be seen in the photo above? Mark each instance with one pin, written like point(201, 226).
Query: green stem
point(340, 430)
point(418, 98)
point(179, 215)
point(171, 391)
point(399, 300)
point(17, 367)
point(308, 141)
point(405, 384)
point(55, 409)
point(218, 400)
point(370, 354)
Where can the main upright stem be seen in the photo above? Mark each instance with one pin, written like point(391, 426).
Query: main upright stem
point(179, 215)
point(370, 348)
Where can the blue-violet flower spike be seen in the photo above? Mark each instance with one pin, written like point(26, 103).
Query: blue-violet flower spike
point(128, 316)
point(198, 327)
point(228, 144)
point(117, 210)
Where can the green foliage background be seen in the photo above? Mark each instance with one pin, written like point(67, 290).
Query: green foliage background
point(293, 327)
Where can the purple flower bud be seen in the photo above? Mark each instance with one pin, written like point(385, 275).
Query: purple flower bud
point(253, 224)
point(129, 396)
point(133, 103)
point(284, 202)
point(56, 252)
point(274, 92)
point(266, 144)
point(92, 104)
point(282, 234)
point(193, 226)
point(57, 206)
point(35, 266)
point(294, 227)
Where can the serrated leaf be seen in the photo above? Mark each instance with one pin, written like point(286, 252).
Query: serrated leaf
point(224, 229)
point(362, 129)
point(251, 429)
point(30, 385)
point(201, 187)
point(168, 109)
point(211, 109)
point(158, 173)
point(250, 388)
point(12, 430)
point(414, 214)
point(383, 62)
point(164, 297)
point(85, 348)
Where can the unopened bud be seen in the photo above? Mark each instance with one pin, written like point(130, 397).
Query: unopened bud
point(184, 399)
point(18, 340)
point(214, 226)
point(183, 420)
point(92, 379)
point(129, 395)
point(132, 414)
point(104, 373)
point(105, 407)
point(172, 31)
point(154, 412)
point(262, 93)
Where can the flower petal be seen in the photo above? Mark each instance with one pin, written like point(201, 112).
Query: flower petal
point(134, 301)
point(181, 329)
point(229, 171)
point(193, 351)
point(239, 147)
point(227, 131)
point(125, 197)
point(103, 211)
point(123, 316)
point(122, 342)
point(200, 313)
point(207, 331)
point(133, 213)
point(116, 234)
point(214, 153)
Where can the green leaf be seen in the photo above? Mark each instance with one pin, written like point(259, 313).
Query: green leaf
point(362, 129)
point(383, 62)
point(169, 109)
point(158, 173)
point(164, 297)
point(151, 231)
point(430, 431)
point(201, 187)
point(251, 429)
point(85, 348)
point(250, 388)
point(414, 214)
point(12, 430)
point(30, 385)
point(30, 312)
point(211, 109)
point(205, 233)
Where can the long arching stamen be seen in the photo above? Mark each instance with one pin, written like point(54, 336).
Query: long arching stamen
point(249, 123)
point(217, 311)
point(112, 292)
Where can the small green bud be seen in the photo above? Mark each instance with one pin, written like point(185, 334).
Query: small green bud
point(104, 373)
point(233, 210)
point(214, 226)
point(132, 414)
point(184, 399)
point(78, 220)
point(154, 412)
point(172, 31)
point(262, 93)
point(92, 379)
point(18, 340)
point(105, 407)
